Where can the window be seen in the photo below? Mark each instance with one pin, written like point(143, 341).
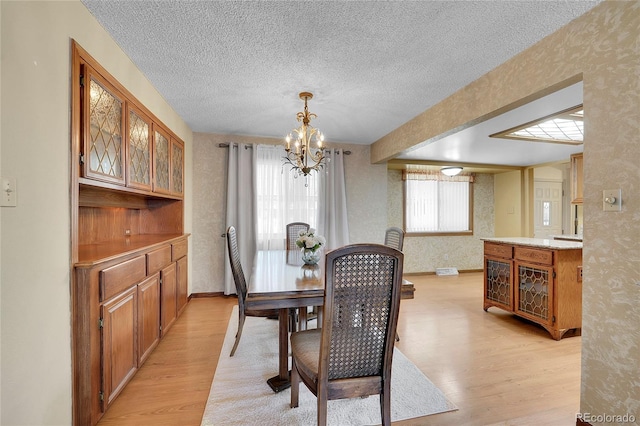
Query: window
point(437, 204)
point(281, 198)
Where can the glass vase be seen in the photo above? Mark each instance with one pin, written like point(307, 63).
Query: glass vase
point(310, 257)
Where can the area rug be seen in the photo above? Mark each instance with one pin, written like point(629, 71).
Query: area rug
point(240, 394)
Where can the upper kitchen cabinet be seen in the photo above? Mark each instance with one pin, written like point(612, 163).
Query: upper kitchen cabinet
point(168, 154)
point(139, 150)
point(177, 167)
point(576, 178)
point(122, 145)
point(102, 148)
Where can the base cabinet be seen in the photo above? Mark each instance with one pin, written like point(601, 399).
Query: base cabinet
point(182, 292)
point(541, 285)
point(168, 312)
point(119, 346)
point(148, 316)
point(123, 304)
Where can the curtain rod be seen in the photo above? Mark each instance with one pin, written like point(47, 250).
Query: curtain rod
point(248, 146)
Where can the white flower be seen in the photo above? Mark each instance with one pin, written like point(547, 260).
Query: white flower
point(308, 240)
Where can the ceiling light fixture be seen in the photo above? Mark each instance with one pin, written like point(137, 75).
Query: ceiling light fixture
point(308, 151)
point(451, 171)
point(563, 127)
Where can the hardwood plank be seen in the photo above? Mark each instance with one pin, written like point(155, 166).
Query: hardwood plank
point(497, 368)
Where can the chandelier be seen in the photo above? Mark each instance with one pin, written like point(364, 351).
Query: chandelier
point(307, 153)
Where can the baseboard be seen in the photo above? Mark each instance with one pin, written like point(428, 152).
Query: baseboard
point(208, 294)
point(461, 271)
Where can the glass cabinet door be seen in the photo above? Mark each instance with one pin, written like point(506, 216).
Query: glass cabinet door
point(161, 152)
point(498, 283)
point(177, 167)
point(139, 154)
point(534, 295)
point(102, 150)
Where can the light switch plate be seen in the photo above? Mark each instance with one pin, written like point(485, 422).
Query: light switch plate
point(612, 200)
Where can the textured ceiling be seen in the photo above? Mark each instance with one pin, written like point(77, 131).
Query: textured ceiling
point(236, 67)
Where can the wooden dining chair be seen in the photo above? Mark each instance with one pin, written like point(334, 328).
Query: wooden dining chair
point(351, 355)
point(241, 288)
point(394, 237)
point(293, 231)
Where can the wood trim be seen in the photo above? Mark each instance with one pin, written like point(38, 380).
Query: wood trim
point(460, 271)
point(209, 294)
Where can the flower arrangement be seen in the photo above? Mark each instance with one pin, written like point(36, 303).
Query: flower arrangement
point(309, 240)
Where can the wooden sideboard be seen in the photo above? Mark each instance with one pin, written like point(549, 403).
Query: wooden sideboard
point(127, 294)
point(540, 280)
point(129, 279)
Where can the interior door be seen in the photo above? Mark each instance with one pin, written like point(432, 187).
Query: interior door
point(547, 214)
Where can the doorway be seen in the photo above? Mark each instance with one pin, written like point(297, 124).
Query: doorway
point(547, 208)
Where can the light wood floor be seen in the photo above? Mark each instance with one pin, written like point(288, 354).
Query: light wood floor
point(498, 369)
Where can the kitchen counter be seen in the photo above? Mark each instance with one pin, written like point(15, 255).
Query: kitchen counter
point(538, 242)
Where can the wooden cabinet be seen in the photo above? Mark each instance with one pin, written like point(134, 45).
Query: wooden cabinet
point(124, 301)
point(119, 343)
point(148, 316)
point(138, 149)
point(128, 246)
point(542, 285)
point(102, 150)
point(169, 311)
point(168, 163)
point(576, 178)
point(182, 291)
point(120, 142)
point(498, 276)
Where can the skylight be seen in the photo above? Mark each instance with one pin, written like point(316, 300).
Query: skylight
point(563, 127)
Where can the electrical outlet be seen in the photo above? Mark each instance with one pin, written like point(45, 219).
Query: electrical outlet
point(9, 194)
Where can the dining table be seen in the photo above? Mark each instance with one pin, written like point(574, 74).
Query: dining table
point(281, 280)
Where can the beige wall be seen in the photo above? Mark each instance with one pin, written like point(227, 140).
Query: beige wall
point(425, 254)
point(366, 203)
point(601, 48)
point(507, 188)
point(35, 247)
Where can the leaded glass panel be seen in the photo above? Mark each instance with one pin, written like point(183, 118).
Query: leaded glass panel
point(162, 161)
point(139, 152)
point(499, 281)
point(176, 168)
point(105, 145)
point(533, 285)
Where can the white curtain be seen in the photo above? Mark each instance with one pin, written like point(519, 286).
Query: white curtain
point(282, 197)
point(240, 209)
point(332, 212)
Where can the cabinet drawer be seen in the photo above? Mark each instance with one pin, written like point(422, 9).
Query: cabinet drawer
point(178, 250)
point(499, 250)
point(117, 278)
point(158, 259)
point(543, 257)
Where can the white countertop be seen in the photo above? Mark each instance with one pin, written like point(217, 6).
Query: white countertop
point(538, 242)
